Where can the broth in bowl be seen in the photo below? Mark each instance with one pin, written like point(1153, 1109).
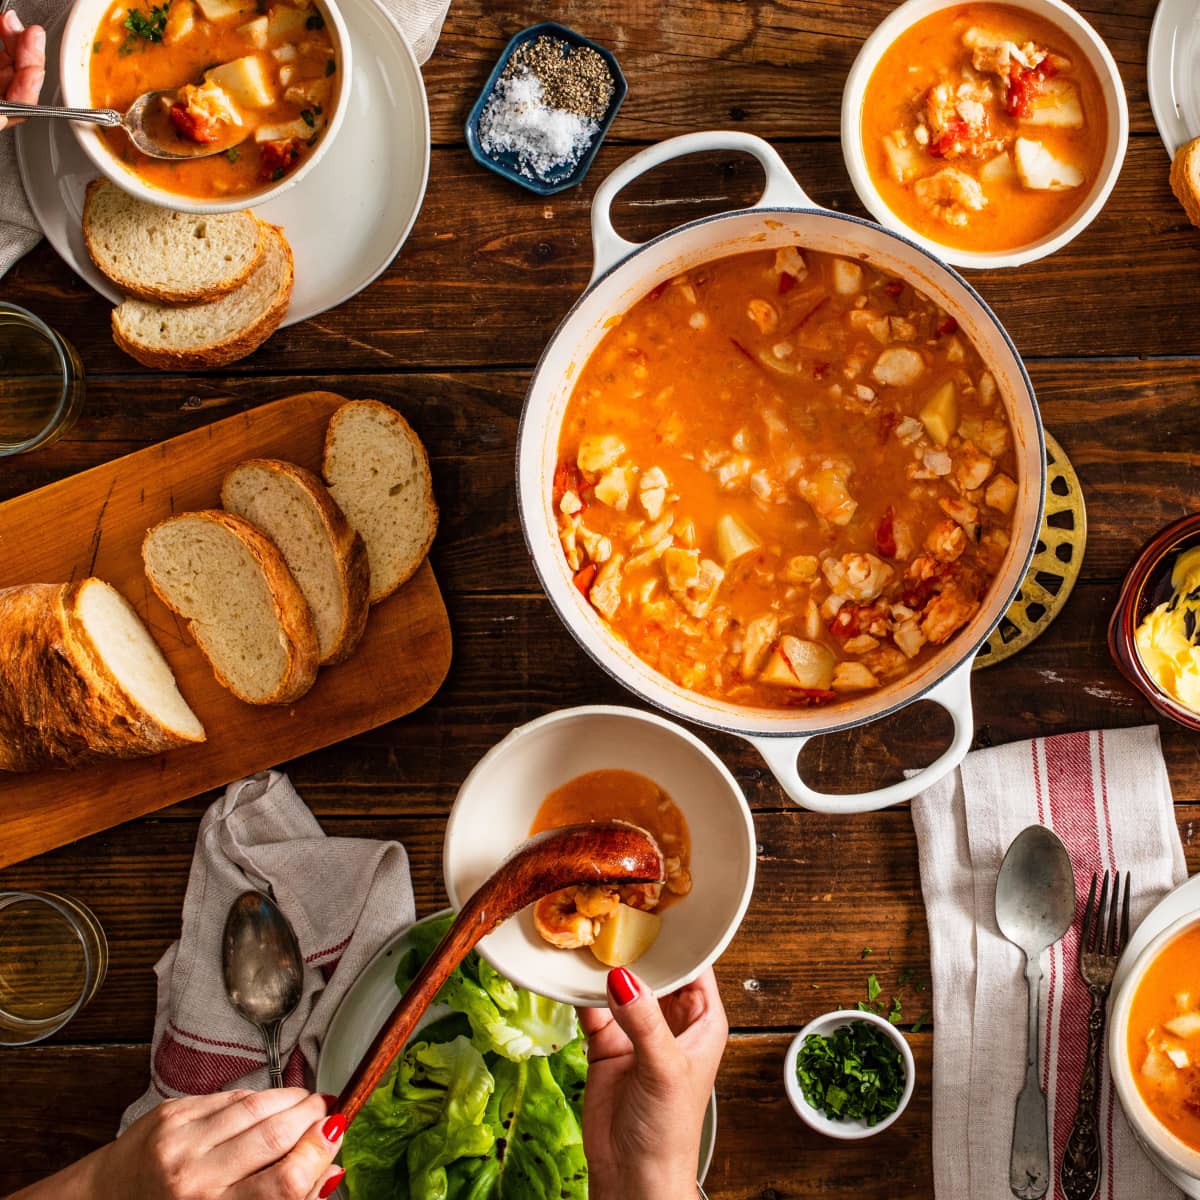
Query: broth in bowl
point(785, 477)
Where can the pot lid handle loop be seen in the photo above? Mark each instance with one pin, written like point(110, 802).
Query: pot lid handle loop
point(782, 753)
point(781, 190)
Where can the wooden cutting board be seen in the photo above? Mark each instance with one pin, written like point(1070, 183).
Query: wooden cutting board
point(93, 524)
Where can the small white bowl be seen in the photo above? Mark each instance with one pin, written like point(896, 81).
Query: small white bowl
point(1149, 1130)
point(845, 1130)
point(498, 801)
point(75, 74)
point(1085, 37)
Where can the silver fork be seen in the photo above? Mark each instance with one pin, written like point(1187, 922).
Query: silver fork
point(1104, 935)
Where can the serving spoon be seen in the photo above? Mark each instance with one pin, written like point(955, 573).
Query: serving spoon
point(1035, 905)
point(145, 122)
point(263, 969)
point(610, 852)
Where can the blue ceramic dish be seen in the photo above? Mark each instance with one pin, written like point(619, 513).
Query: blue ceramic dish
point(506, 163)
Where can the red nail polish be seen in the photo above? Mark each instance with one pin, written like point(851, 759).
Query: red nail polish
point(622, 987)
point(330, 1101)
point(330, 1185)
point(333, 1129)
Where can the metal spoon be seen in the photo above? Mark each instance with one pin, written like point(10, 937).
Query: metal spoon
point(263, 969)
point(1035, 905)
point(145, 122)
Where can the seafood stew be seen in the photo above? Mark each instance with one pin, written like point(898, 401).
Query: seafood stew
point(258, 79)
point(1164, 1037)
point(618, 923)
point(984, 127)
point(785, 477)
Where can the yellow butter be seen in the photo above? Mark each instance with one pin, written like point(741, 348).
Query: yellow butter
point(1167, 637)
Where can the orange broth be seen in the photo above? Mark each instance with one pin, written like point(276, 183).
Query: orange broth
point(615, 795)
point(895, 101)
point(1172, 1093)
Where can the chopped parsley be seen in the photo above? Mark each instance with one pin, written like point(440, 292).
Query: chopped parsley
point(873, 987)
point(307, 116)
point(866, 952)
point(95, 47)
point(277, 174)
point(148, 27)
point(330, 67)
point(316, 21)
point(855, 1074)
point(233, 154)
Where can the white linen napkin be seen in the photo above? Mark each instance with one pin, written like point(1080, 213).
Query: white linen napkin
point(1106, 794)
point(344, 898)
point(421, 21)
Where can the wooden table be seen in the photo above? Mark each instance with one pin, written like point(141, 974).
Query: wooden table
point(1109, 328)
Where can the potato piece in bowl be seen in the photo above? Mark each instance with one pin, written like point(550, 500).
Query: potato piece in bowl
point(626, 936)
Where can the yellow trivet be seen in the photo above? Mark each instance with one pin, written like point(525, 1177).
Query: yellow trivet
point(1056, 563)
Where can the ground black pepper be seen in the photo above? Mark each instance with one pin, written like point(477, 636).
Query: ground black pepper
point(573, 78)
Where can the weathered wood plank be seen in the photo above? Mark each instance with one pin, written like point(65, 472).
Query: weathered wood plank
point(489, 271)
point(62, 1102)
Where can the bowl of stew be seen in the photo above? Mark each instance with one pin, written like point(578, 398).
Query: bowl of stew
point(990, 133)
point(1154, 1045)
point(780, 472)
point(267, 82)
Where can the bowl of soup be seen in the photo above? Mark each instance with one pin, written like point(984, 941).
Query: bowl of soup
point(780, 472)
point(989, 133)
point(603, 763)
point(1154, 1045)
point(265, 82)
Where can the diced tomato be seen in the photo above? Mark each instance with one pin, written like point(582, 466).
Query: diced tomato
point(584, 578)
point(948, 326)
point(196, 127)
point(918, 592)
point(820, 370)
point(853, 619)
point(942, 145)
point(887, 424)
point(1024, 83)
point(894, 287)
point(786, 282)
point(567, 478)
point(806, 697)
point(657, 290)
point(276, 159)
point(885, 534)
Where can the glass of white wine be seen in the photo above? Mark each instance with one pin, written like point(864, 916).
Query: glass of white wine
point(53, 959)
point(41, 382)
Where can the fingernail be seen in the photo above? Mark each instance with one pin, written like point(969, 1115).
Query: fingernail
point(333, 1129)
point(621, 985)
point(330, 1101)
point(330, 1185)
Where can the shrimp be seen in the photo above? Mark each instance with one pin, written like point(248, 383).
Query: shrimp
point(679, 880)
point(597, 902)
point(561, 924)
point(642, 895)
point(950, 195)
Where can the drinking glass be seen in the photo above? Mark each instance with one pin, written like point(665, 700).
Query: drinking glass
point(41, 382)
point(53, 958)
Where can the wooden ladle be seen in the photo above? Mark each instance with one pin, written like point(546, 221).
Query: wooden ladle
point(603, 853)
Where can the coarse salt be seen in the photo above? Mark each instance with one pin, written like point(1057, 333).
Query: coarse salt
point(517, 121)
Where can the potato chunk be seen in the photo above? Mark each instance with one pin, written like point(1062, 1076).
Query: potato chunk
point(287, 22)
point(734, 538)
point(898, 366)
point(1040, 170)
point(245, 79)
point(1185, 1026)
point(222, 10)
point(599, 451)
point(181, 20)
point(255, 32)
point(940, 414)
point(796, 662)
point(626, 936)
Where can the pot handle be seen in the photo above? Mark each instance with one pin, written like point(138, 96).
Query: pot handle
point(782, 756)
point(781, 190)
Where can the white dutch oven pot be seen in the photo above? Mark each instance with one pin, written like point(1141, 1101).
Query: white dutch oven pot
point(623, 274)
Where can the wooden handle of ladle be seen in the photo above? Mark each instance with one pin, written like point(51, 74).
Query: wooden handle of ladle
point(606, 853)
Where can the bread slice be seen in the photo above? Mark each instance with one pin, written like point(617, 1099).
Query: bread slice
point(82, 679)
point(378, 472)
point(168, 257)
point(1185, 178)
point(217, 332)
point(326, 557)
point(246, 612)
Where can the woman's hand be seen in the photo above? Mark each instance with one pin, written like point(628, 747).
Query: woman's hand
point(651, 1072)
point(273, 1145)
point(22, 61)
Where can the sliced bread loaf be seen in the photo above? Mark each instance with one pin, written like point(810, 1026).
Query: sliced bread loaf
point(1185, 178)
point(326, 557)
point(217, 332)
point(378, 472)
point(82, 679)
point(230, 583)
point(157, 254)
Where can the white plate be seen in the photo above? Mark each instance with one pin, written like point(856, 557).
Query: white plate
point(345, 222)
point(1183, 900)
point(369, 1003)
point(1173, 72)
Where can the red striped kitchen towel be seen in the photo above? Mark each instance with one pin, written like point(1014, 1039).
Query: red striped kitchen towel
point(344, 897)
point(1106, 794)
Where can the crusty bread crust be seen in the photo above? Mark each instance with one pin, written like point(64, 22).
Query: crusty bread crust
point(219, 354)
point(379, 590)
point(59, 704)
point(349, 550)
point(1185, 178)
point(290, 608)
point(140, 289)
